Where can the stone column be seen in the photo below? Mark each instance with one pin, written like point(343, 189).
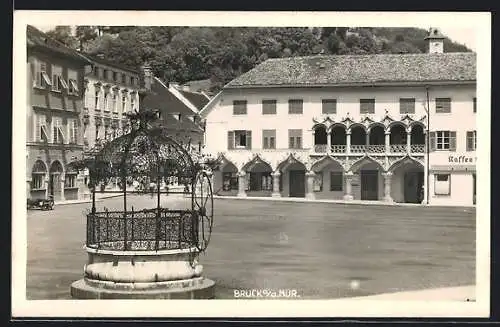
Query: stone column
point(348, 186)
point(348, 142)
point(242, 184)
point(387, 186)
point(276, 184)
point(408, 141)
point(387, 142)
point(328, 142)
point(47, 178)
point(63, 198)
point(310, 184)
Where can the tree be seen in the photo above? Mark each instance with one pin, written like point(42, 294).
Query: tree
point(64, 35)
point(84, 35)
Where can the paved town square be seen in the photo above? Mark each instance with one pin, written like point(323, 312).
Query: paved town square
point(319, 250)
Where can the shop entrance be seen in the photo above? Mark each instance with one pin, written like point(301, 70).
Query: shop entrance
point(413, 182)
point(297, 183)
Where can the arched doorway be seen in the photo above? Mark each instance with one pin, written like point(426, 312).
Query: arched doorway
point(226, 179)
point(38, 175)
point(407, 181)
point(368, 182)
point(293, 173)
point(56, 172)
point(259, 176)
point(329, 179)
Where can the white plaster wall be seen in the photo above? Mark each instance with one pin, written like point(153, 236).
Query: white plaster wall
point(461, 190)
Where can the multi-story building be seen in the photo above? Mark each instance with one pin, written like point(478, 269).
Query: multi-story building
point(54, 105)
point(349, 127)
point(111, 90)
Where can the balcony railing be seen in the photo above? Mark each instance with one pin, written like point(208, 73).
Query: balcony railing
point(375, 148)
point(336, 148)
point(320, 148)
point(398, 148)
point(418, 148)
point(372, 148)
point(356, 148)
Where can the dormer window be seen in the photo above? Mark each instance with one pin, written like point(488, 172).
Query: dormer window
point(177, 116)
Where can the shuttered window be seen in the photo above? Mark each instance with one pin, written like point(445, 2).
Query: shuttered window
point(269, 139)
point(329, 106)
point(269, 107)
point(471, 141)
point(295, 138)
point(239, 139)
point(41, 132)
point(407, 105)
point(72, 130)
point(443, 105)
point(443, 140)
point(73, 82)
point(239, 107)
point(57, 132)
point(367, 106)
point(295, 106)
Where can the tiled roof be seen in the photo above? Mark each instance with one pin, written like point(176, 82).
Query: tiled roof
point(199, 85)
point(360, 69)
point(198, 99)
point(103, 61)
point(36, 38)
point(162, 99)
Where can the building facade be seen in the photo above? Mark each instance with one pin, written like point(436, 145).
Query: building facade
point(349, 127)
point(55, 75)
point(111, 90)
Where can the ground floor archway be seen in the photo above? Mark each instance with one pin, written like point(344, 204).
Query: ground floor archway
point(407, 185)
point(293, 178)
point(56, 177)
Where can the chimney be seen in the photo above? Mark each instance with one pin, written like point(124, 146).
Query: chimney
point(436, 40)
point(148, 76)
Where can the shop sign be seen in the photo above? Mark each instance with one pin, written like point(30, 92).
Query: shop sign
point(461, 160)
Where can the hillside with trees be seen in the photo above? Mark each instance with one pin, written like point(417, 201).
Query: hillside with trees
point(220, 54)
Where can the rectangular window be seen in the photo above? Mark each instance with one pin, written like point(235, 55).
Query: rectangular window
point(443, 140)
point(269, 107)
point(72, 82)
point(57, 132)
point(407, 105)
point(329, 106)
point(58, 82)
point(41, 78)
point(124, 78)
point(105, 73)
point(442, 184)
point(132, 80)
point(42, 134)
point(269, 139)
point(295, 106)
point(336, 181)
point(443, 105)
point(70, 180)
point(318, 182)
point(471, 140)
point(241, 139)
point(106, 102)
point(124, 103)
point(239, 107)
point(295, 138)
point(367, 106)
point(474, 104)
point(115, 76)
point(96, 71)
point(72, 127)
point(97, 132)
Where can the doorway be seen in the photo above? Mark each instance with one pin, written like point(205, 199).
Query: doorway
point(413, 182)
point(369, 185)
point(297, 183)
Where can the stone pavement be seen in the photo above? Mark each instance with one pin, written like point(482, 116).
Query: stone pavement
point(363, 202)
point(461, 293)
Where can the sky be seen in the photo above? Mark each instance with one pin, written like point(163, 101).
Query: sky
point(464, 36)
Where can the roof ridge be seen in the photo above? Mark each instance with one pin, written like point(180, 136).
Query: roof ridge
point(370, 55)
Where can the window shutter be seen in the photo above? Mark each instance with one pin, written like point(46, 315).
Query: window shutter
point(432, 145)
point(230, 140)
point(38, 127)
point(249, 139)
point(453, 141)
point(468, 141)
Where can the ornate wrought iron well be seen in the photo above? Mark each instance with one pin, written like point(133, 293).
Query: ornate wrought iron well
point(152, 252)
